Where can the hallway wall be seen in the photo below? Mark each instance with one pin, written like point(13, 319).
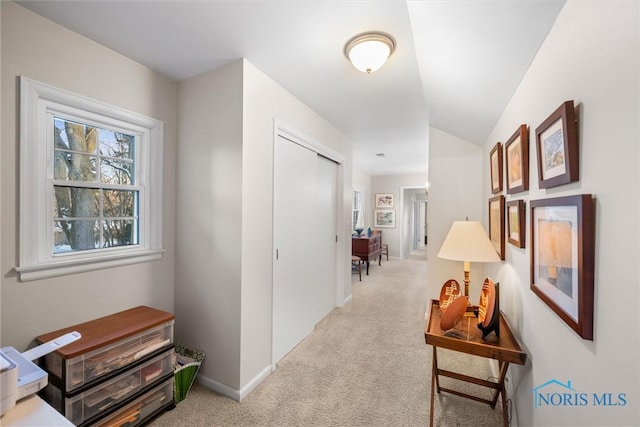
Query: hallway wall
point(592, 56)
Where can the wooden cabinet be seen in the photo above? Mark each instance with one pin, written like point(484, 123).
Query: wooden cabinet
point(121, 369)
point(367, 248)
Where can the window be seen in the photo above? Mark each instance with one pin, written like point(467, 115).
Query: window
point(91, 184)
point(95, 196)
point(358, 217)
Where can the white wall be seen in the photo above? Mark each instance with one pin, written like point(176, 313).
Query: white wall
point(225, 266)
point(394, 184)
point(37, 48)
point(265, 100)
point(591, 56)
point(209, 220)
point(455, 194)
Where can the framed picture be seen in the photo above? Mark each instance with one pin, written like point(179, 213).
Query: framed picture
point(562, 258)
point(515, 222)
point(384, 219)
point(495, 164)
point(557, 148)
point(517, 160)
point(384, 200)
point(496, 224)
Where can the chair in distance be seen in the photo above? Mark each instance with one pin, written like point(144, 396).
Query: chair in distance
point(384, 248)
point(356, 263)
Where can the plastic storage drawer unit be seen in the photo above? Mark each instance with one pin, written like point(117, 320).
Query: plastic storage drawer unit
point(73, 372)
point(119, 358)
point(86, 405)
point(141, 408)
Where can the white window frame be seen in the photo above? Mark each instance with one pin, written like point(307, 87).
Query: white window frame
point(361, 190)
point(37, 260)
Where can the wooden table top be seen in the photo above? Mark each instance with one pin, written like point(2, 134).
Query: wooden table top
point(469, 340)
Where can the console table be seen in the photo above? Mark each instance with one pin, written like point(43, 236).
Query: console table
point(504, 348)
point(367, 248)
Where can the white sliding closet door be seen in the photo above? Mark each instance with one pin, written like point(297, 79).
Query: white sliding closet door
point(324, 268)
point(304, 276)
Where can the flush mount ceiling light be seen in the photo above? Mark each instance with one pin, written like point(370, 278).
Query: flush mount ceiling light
point(369, 51)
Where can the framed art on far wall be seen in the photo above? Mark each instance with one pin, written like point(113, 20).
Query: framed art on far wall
point(515, 222)
point(557, 148)
point(495, 168)
point(562, 258)
point(496, 224)
point(384, 218)
point(517, 160)
point(384, 200)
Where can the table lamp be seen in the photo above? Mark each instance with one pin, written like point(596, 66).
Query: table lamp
point(468, 242)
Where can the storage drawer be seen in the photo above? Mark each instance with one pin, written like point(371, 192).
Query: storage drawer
point(75, 372)
point(141, 408)
point(108, 394)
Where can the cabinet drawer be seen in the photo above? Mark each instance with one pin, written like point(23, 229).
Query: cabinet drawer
point(71, 374)
point(141, 408)
point(109, 394)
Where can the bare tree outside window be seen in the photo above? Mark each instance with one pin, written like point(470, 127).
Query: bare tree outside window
point(96, 201)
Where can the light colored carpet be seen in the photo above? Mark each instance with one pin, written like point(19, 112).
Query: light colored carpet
point(366, 364)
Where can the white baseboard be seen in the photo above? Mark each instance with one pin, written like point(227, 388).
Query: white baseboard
point(347, 300)
point(255, 381)
point(233, 393)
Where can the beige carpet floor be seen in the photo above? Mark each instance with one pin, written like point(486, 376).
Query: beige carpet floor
point(366, 364)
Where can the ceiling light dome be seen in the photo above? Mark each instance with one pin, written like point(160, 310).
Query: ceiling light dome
point(369, 51)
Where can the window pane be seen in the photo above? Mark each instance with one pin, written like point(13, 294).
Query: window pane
point(75, 235)
point(74, 136)
point(74, 166)
point(120, 233)
point(72, 202)
point(118, 203)
point(116, 172)
point(116, 145)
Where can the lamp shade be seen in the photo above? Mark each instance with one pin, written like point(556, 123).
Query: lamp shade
point(368, 52)
point(467, 241)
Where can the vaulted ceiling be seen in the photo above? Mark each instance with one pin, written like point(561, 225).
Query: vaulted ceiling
point(455, 67)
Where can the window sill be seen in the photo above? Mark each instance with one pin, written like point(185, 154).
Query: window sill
point(65, 267)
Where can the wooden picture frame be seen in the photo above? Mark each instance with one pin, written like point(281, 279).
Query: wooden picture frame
point(384, 218)
point(516, 223)
point(516, 153)
point(496, 224)
point(384, 200)
point(495, 168)
point(557, 148)
point(562, 258)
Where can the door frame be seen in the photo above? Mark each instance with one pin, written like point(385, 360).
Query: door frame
point(417, 238)
point(403, 238)
point(281, 129)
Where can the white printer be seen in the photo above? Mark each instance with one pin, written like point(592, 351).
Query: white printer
point(19, 376)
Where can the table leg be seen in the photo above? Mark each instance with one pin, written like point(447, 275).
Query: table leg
point(435, 369)
point(505, 414)
point(503, 392)
point(503, 373)
point(434, 380)
point(367, 267)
